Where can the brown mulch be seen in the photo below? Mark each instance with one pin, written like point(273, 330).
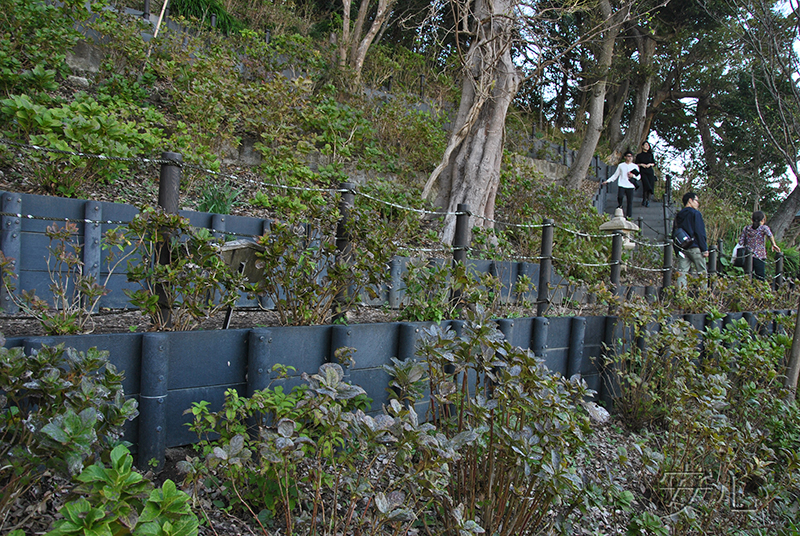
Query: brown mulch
point(132, 321)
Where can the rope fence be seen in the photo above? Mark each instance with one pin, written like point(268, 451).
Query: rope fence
point(169, 185)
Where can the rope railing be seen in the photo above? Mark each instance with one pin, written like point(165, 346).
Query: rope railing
point(644, 269)
point(585, 264)
point(424, 250)
point(410, 209)
point(31, 147)
point(649, 244)
point(352, 191)
point(651, 227)
point(509, 224)
point(585, 235)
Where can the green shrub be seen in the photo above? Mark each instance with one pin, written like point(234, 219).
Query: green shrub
point(307, 275)
point(218, 197)
point(119, 500)
point(35, 40)
point(59, 409)
point(416, 138)
point(82, 126)
point(518, 428)
point(75, 294)
point(729, 294)
point(321, 452)
point(725, 436)
point(526, 198)
point(427, 290)
point(203, 10)
point(192, 286)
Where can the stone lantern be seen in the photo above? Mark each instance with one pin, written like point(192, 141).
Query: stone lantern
point(622, 224)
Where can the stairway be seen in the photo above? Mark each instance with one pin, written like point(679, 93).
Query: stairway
point(652, 217)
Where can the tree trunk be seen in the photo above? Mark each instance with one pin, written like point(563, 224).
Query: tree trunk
point(577, 172)
point(470, 168)
point(353, 47)
point(635, 132)
point(614, 112)
point(709, 153)
point(345, 41)
point(784, 216)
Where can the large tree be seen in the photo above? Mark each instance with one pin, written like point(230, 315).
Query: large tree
point(603, 52)
point(469, 171)
point(358, 35)
point(769, 36)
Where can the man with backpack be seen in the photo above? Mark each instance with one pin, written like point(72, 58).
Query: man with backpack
point(691, 247)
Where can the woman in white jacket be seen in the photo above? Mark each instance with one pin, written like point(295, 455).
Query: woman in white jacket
point(626, 171)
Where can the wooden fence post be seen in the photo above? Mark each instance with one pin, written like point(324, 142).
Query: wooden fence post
point(344, 247)
point(778, 281)
point(461, 240)
point(169, 190)
point(169, 186)
point(616, 260)
point(748, 261)
point(666, 277)
point(545, 267)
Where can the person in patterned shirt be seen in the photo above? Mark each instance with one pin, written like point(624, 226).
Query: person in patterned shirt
point(754, 238)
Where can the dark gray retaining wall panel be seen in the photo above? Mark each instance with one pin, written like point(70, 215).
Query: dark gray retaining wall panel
point(153, 398)
point(305, 348)
point(556, 355)
point(520, 330)
point(589, 366)
point(532, 271)
point(375, 345)
point(217, 357)
point(24, 240)
point(202, 365)
point(408, 338)
point(182, 399)
point(730, 318)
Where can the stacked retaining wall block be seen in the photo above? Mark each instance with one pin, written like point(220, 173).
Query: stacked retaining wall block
point(168, 371)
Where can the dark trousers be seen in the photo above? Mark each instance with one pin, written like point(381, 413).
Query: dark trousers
point(758, 268)
point(626, 192)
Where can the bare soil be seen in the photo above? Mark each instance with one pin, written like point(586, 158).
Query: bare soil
point(132, 321)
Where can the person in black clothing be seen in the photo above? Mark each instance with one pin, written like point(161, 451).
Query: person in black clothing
point(646, 164)
point(693, 257)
